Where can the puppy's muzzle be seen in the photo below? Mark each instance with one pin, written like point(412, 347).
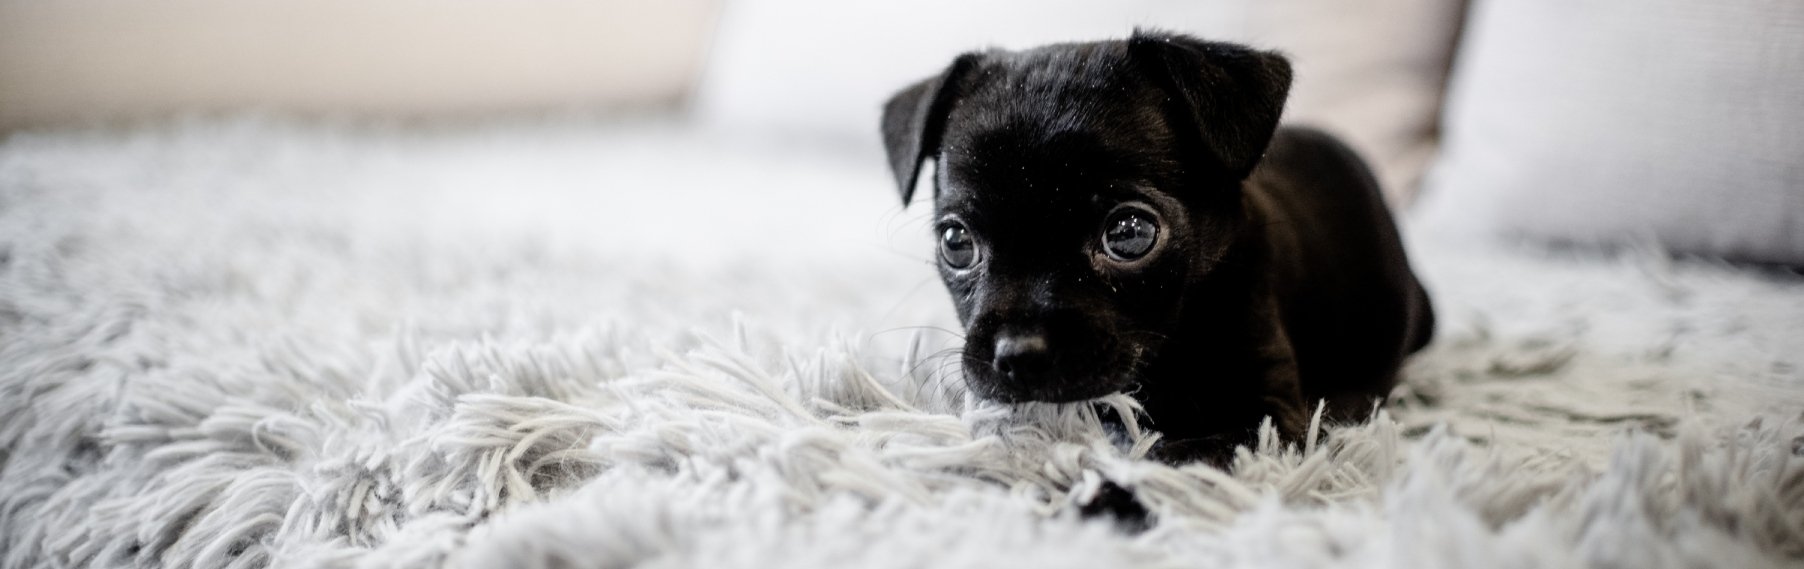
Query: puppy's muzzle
point(1022, 358)
point(1053, 356)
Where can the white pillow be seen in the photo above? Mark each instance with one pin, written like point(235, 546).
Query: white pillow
point(1596, 121)
point(1370, 71)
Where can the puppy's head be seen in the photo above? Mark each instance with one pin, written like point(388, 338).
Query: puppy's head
point(1080, 190)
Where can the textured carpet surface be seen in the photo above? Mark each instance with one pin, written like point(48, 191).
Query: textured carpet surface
point(246, 343)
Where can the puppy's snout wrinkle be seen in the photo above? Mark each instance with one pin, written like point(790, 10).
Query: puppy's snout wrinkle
point(1022, 357)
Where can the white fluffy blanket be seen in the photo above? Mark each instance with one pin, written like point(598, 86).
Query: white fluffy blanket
point(242, 343)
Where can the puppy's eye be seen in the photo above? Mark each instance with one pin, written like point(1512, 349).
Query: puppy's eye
point(957, 248)
point(1129, 233)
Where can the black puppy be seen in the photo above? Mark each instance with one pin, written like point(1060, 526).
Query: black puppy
point(1127, 216)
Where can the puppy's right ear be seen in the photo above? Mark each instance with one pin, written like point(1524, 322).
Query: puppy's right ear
point(914, 119)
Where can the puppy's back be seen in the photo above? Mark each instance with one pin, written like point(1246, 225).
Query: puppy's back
point(1351, 305)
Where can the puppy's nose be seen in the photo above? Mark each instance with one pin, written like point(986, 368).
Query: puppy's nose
point(1022, 356)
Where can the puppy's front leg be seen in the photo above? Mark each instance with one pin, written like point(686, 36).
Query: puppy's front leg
point(1282, 405)
point(1259, 379)
point(1282, 395)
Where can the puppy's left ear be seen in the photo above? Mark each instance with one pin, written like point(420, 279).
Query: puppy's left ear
point(914, 118)
point(1231, 94)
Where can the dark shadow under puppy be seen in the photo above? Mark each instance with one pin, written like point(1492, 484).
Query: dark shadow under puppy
point(1128, 216)
point(1117, 504)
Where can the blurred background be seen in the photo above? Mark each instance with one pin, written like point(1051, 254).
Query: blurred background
point(1665, 122)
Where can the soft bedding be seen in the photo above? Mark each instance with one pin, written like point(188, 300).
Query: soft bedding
point(577, 343)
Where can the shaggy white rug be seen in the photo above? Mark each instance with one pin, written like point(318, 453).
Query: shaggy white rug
point(245, 343)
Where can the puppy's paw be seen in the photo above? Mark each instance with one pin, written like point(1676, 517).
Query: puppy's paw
point(1215, 450)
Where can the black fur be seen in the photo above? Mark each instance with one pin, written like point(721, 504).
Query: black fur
point(1279, 279)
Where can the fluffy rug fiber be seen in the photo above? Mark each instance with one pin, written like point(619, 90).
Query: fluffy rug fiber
point(245, 343)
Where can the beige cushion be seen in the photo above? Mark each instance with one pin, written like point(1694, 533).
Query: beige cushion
point(88, 60)
point(1372, 72)
point(1369, 71)
point(1674, 121)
